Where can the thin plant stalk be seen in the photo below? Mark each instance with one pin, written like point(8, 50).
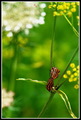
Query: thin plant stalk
point(46, 105)
point(52, 44)
point(75, 31)
point(13, 66)
point(51, 63)
point(13, 73)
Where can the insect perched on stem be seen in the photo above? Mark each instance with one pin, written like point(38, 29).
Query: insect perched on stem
point(54, 74)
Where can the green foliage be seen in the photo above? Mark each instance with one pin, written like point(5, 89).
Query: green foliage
point(26, 54)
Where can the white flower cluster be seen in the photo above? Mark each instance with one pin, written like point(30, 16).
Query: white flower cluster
point(18, 16)
point(7, 98)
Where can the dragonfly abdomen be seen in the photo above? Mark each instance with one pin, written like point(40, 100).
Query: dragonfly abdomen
point(50, 84)
point(53, 75)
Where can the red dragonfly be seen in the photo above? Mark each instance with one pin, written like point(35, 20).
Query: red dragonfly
point(54, 72)
point(53, 75)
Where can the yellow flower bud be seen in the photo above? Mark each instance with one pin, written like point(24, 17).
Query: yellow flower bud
point(61, 12)
point(76, 86)
point(74, 79)
point(60, 7)
point(65, 76)
point(68, 72)
point(78, 67)
point(55, 13)
point(73, 9)
point(72, 76)
point(74, 69)
point(68, 4)
point(64, 6)
point(54, 5)
point(72, 65)
point(70, 80)
point(50, 6)
point(67, 7)
point(75, 74)
point(78, 17)
point(72, 3)
point(78, 3)
point(64, 11)
point(69, 14)
point(74, 6)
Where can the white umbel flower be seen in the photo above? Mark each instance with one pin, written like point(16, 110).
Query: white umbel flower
point(7, 98)
point(18, 16)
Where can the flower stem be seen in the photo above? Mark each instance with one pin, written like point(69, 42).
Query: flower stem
point(75, 31)
point(14, 65)
point(46, 105)
point(51, 64)
point(52, 42)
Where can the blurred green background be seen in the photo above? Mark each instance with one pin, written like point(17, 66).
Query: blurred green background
point(28, 56)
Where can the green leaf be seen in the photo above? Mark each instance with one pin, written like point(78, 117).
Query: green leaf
point(36, 81)
point(66, 101)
